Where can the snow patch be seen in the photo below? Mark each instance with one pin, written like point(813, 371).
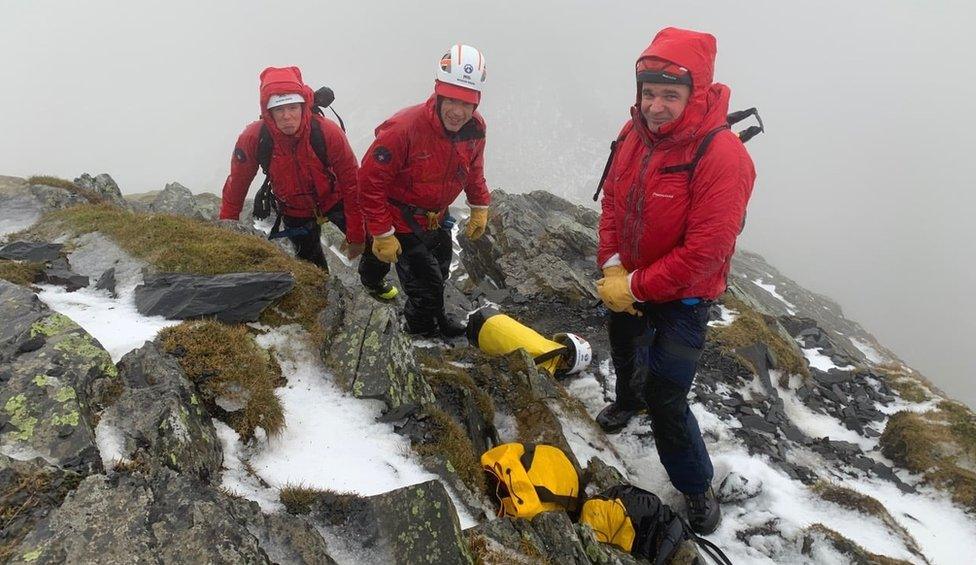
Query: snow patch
point(727, 317)
point(771, 289)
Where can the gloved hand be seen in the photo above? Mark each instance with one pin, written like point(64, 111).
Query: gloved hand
point(386, 248)
point(352, 250)
point(615, 271)
point(616, 295)
point(476, 223)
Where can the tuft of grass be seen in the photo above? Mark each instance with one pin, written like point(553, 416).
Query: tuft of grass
point(225, 362)
point(24, 273)
point(938, 445)
point(23, 494)
point(450, 442)
point(440, 373)
point(298, 499)
point(58, 182)
point(751, 327)
point(849, 548)
point(185, 245)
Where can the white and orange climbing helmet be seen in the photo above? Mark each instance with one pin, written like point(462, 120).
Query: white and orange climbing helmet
point(460, 74)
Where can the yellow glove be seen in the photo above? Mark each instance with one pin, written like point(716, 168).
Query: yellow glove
point(615, 271)
point(386, 248)
point(616, 295)
point(476, 223)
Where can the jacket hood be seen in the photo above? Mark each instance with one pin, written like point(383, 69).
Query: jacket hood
point(709, 102)
point(285, 80)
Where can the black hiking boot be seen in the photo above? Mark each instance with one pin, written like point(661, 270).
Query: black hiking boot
point(451, 327)
point(385, 293)
point(614, 417)
point(704, 512)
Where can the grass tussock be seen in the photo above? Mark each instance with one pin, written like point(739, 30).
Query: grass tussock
point(185, 245)
point(849, 548)
point(299, 499)
point(751, 327)
point(440, 373)
point(23, 273)
point(451, 443)
point(910, 386)
point(226, 363)
point(57, 182)
point(22, 494)
point(940, 445)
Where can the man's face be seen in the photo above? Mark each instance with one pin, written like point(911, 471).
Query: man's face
point(288, 117)
point(455, 113)
point(663, 103)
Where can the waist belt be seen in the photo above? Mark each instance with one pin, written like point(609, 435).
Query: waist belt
point(410, 212)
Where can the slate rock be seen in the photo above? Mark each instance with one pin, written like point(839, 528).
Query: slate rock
point(107, 281)
point(31, 251)
point(757, 423)
point(736, 488)
point(104, 186)
point(71, 281)
point(230, 298)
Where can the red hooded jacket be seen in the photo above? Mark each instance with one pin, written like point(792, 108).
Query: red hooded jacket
point(677, 237)
point(414, 161)
point(300, 182)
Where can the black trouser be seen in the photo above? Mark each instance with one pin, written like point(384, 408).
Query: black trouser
point(661, 348)
point(308, 246)
point(423, 268)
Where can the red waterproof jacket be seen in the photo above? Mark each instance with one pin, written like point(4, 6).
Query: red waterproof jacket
point(414, 161)
point(300, 182)
point(677, 237)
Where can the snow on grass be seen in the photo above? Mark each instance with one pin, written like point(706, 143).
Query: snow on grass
point(114, 322)
point(771, 289)
point(331, 440)
point(870, 353)
point(728, 316)
point(817, 360)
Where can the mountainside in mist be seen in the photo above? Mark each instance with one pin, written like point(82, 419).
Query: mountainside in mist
point(177, 389)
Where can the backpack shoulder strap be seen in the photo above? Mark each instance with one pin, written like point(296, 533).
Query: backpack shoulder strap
point(613, 149)
point(699, 153)
point(317, 139)
point(265, 149)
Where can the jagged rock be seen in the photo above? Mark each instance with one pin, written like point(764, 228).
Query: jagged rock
point(231, 298)
point(53, 369)
point(92, 254)
point(560, 544)
point(410, 525)
point(31, 251)
point(71, 281)
point(104, 186)
point(736, 488)
point(165, 518)
point(159, 418)
point(179, 200)
point(370, 353)
point(107, 281)
point(598, 477)
point(539, 246)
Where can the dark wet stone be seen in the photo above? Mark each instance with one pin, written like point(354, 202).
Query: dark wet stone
point(757, 423)
point(69, 280)
point(230, 298)
point(107, 281)
point(31, 251)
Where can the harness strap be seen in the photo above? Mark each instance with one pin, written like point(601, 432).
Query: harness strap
point(408, 211)
point(569, 502)
point(539, 359)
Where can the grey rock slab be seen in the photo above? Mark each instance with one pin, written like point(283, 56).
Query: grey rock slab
point(107, 281)
point(31, 251)
point(104, 186)
point(71, 281)
point(230, 298)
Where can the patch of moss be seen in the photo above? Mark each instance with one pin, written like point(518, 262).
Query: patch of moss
point(185, 245)
point(851, 549)
point(23, 273)
point(751, 327)
point(225, 362)
point(47, 180)
point(450, 442)
point(20, 417)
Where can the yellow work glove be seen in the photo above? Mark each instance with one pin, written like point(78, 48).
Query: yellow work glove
point(386, 248)
point(476, 223)
point(615, 271)
point(616, 295)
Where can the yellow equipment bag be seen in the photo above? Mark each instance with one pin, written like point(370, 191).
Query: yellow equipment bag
point(608, 519)
point(528, 479)
point(498, 334)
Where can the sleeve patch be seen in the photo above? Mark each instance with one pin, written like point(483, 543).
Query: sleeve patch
point(382, 155)
point(239, 154)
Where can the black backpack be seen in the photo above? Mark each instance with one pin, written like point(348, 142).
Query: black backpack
point(264, 201)
point(732, 119)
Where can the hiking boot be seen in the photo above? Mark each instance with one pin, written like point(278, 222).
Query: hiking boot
point(451, 327)
point(424, 330)
point(385, 293)
point(614, 417)
point(704, 512)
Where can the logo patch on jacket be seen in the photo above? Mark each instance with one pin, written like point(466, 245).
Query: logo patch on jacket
point(382, 155)
point(239, 154)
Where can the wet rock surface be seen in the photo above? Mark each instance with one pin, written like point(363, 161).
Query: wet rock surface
point(230, 298)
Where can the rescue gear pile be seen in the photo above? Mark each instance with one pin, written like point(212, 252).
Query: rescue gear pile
point(497, 334)
point(527, 479)
point(461, 74)
point(636, 521)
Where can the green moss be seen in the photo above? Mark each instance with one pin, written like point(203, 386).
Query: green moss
point(65, 394)
point(32, 556)
point(225, 362)
point(185, 245)
point(751, 327)
point(52, 325)
point(40, 380)
point(450, 442)
point(23, 273)
point(20, 417)
point(66, 419)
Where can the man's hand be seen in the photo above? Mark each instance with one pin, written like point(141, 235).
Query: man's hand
point(476, 223)
point(352, 250)
point(386, 248)
point(615, 293)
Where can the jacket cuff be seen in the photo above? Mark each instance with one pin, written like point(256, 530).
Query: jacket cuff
point(613, 261)
point(389, 232)
point(630, 284)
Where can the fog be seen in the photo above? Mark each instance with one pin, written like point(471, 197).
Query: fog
point(864, 193)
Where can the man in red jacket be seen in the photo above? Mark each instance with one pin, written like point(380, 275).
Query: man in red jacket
point(422, 159)
point(667, 234)
point(308, 190)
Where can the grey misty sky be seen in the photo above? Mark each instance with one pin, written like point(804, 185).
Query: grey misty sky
point(865, 174)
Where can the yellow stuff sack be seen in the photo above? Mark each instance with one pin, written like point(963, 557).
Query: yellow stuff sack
point(527, 479)
point(609, 521)
point(500, 335)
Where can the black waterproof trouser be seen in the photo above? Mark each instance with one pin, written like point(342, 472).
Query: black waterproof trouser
point(309, 246)
point(423, 267)
point(658, 353)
